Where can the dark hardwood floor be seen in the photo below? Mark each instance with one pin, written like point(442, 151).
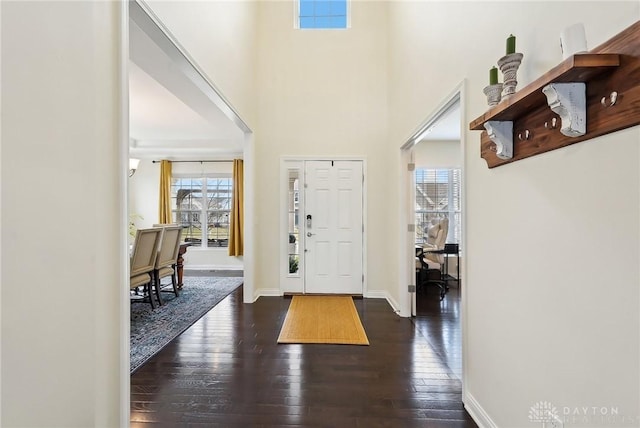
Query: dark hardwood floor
point(228, 371)
point(439, 322)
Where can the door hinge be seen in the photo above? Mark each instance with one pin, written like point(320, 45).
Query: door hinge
point(411, 167)
point(363, 278)
point(412, 288)
point(411, 228)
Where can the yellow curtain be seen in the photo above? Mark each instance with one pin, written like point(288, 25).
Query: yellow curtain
point(165, 193)
point(236, 234)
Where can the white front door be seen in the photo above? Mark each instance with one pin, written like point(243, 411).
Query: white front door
point(333, 227)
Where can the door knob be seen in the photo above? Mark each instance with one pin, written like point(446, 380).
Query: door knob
point(309, 234)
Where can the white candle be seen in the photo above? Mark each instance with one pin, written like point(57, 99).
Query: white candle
point(573, 40)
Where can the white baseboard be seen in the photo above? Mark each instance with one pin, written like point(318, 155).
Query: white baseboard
point(376, 295)
point(369, 295)
point(268, 292)
point(255, 297)
point(394, 304)
point(477, 413)
point(384, 295)
point(276, 292)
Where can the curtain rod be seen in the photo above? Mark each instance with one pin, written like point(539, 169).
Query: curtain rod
point(195, 161)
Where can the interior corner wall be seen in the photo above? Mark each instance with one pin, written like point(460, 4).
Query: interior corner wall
point(323, 94)
point(553, 241)
point(62, 248)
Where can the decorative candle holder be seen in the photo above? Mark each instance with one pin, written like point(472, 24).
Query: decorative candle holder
point(509, 65)
point(493, 93)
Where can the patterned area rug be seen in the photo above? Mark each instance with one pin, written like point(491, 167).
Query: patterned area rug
point(153, 329)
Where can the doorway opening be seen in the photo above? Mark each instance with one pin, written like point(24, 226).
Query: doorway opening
point(177, 113)
point(437, 188)
point(433, 206)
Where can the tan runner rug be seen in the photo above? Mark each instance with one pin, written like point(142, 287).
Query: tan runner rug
point(323, 319)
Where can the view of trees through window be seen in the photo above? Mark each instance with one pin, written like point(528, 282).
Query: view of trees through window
point(438, 195)
point(203, 207)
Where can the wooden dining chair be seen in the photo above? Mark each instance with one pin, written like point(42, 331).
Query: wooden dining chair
point(167, 258)
point(143, 260)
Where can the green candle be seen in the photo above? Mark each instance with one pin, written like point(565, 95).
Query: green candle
point(511, 44)
point(493, 76)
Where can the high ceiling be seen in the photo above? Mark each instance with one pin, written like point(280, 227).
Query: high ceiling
point(170, 115)
point(162, 125)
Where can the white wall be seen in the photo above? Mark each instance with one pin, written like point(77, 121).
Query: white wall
point(144, 199)
point(546, 319)
point(438, 154)
point(62, 268)
point(323, 93)
point(144, 194)
point(221, 36)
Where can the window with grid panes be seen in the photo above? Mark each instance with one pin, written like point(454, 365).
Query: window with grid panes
point(322, 14)
point(202, 205)
point(293, 219)
point(438, 195)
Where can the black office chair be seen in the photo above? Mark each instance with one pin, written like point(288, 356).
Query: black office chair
point(426, 275)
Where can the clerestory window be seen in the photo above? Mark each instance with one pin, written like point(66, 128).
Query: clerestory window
point(322, 14)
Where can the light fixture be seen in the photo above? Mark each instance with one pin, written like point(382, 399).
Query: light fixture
point(133, 165)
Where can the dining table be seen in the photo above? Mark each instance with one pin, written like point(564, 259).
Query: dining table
point(180, 262)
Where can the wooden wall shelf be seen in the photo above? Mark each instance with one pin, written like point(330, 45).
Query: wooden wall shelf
point(612, 66)
point(578, 68)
